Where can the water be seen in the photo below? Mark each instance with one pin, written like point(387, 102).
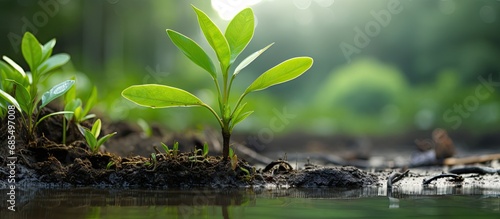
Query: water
point(451, 202)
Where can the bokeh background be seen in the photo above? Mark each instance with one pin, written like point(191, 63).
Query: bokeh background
point(382, 68)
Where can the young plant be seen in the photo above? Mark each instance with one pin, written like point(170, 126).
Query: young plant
point(174, 151)
point(227, 47)
point(21, 89)
point(109, 165)
point(80, 111)
point(91, 136)
point(205, 150)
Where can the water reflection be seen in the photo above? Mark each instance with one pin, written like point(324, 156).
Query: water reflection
point(256, 203)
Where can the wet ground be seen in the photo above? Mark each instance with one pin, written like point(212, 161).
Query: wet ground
point(43, 162)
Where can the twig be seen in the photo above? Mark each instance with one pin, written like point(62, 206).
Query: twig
point(470, 160)
point(455, 177)
point(395, 177)
point(478, 170)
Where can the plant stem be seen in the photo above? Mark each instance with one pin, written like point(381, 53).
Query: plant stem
point(64, 131)
point(226, 136)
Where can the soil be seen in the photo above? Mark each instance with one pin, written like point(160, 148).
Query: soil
point(42, 161)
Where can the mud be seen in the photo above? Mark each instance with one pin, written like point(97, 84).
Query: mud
point(42, 161)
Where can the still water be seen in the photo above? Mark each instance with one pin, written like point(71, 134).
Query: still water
point(451, 202)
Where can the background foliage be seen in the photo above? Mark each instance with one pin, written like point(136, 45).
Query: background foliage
point(428, 58)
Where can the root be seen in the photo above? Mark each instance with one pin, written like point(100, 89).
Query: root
point(455, 177)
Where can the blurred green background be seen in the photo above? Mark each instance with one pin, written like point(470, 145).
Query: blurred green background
point(382, 67)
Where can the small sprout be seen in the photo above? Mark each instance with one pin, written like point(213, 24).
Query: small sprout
point(165, 148)
point(245, 170)
point(110, 164)
point(152, 161)
point(91, 136)
point(79, 113)
point(175, 149)
point(205, 150)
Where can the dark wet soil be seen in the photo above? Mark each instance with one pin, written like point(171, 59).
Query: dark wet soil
point(42, 161)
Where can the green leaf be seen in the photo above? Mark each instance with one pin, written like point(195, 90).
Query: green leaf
point(238, 111)
point(15, 66)
point(56, 92)
point(96, 128)
point(283, 72)
point(205, 150)
point(72, 106)
point(250, 59)
point(70, 95)
point(89, 116)
point(165, 148)
point(238, 116)
point(47, 49)
point(7, 97)
point(241, 117)
point(105, 138)
point(32, 50)
point(6, 72)
point(52, 114)
point(24, 99)
point(91, 140)
point(239, 32)
point(176, 146)
point(77, 113)
point(193, 51)
point(91, 101)
point(52, 63)
point(160, 96)
point(215, 38)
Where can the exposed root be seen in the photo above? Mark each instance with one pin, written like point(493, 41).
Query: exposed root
point(475, 169)
point(395, 177)
point(455, 177)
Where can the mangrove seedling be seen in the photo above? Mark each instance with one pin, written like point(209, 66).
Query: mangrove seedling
point(227, 47)
point(91, 136)
point(21, 88)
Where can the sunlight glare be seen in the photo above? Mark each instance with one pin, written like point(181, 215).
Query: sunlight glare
point(227, 9)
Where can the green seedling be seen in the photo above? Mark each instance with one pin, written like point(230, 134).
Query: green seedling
point(91, 136)
point(80, 111)
point(205, 150)
point(153, 161)
point(175, 149)
point(21, 88)
point(110, 164)
point(227, 47)
point(165, 148)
